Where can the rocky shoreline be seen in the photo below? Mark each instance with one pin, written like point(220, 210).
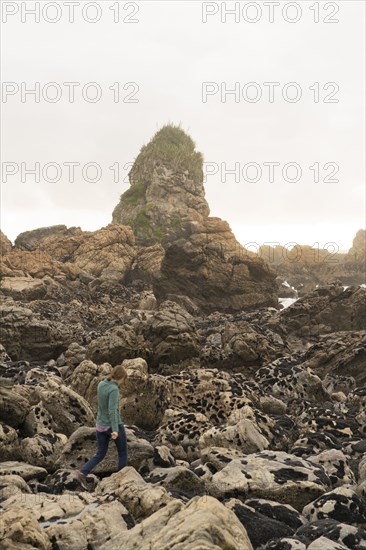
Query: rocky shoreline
point(245, 421)
point(244, 430)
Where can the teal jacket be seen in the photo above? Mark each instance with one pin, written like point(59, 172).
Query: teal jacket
point(108, 404)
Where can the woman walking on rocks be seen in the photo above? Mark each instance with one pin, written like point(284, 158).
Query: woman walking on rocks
point(109, 423)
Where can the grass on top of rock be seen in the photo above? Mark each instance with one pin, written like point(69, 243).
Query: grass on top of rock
point(174, 148)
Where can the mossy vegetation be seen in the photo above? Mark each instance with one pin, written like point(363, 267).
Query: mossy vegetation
point(144, 228)
point(174, 148)
point(134, 194)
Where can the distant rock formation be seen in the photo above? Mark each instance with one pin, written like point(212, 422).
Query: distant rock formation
point(304, 267)
point(357, 253)
point(166, 189)
point(166, 204)
point(5, 244)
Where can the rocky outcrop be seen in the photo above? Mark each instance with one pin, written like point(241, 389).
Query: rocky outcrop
point(304, 267)
point(327, 309)
point(26, 335)
point(357, 253)
point(166, 204)
point(5, 245)
point(166, 188)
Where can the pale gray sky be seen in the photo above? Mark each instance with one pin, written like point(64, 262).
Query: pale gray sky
point(169, 53)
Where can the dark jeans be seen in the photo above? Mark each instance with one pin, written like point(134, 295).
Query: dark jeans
point(103, 439)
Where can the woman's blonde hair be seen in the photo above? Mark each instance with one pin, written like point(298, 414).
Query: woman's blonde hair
point(117, 373)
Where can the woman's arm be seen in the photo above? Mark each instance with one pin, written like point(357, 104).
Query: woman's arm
point(113, 409)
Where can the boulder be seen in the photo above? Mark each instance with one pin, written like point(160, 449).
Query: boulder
point(260, 528)
point(5, 244)
point(93, 527)
point(25, 471)
point(13, 407)
point(140, 498)
point(342, 504)
point(19, 529)
point(326, 309)
point(172, 334)
point(25, 336)
point(202, 523)
point(274, 475)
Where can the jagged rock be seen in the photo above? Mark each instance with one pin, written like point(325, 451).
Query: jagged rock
point(146, 265)
point(215, 271)
point(12, 484)
point(94, 526)
point(148, 301)
point(242, 343)
point(357, 253)
point(178, 478)
point(5, 244)
point(42, 449)
point(180, 432)
point(166, 187)
point(24, 288)
point(341, 504)
point(202, 523)
point(336, 465)
point(328, 308)
point(244, 435)
point(48, 508)
point(36, 264)
point(281, 512)
point(85, 378)
point(140, 498)
point(26, 471)
point(27, 337)
point(19, 529)
point(9, 443)
point(74, 355)
point(219, 457)
point(305, 267)
point(287, 380)
point(63, 480)
point(339, 354)
point(118, 343)
point(67, 408)
point(350, 536)
point(143, 397)
point(274, 475)
point(3, 355)
point(260, 528)
point(37, 421)
point(107, 253)
point(40, 239)
point(172, 334)
point(13, 407)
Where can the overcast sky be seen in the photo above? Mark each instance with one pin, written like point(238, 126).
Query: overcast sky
point(168, 53)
